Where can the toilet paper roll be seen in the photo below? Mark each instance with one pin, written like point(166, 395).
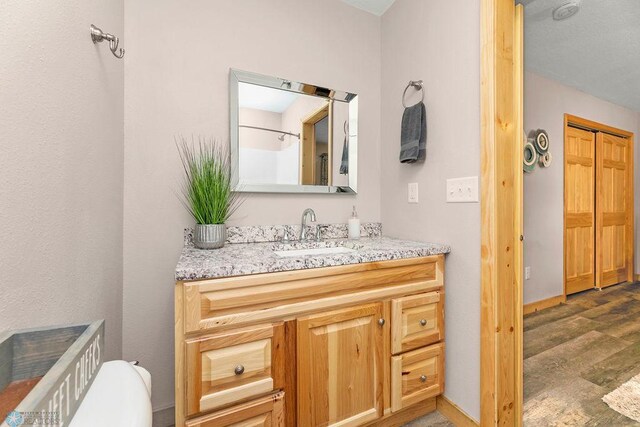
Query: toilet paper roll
point(529, 158)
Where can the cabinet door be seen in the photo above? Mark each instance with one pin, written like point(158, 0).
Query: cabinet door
point(265, 412)
point(340, 372)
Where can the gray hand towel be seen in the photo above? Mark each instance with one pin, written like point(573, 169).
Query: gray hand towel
point(413, 137)
point(344, 163)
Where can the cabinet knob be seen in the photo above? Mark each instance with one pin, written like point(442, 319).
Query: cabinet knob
point(239, 370)
point(423, 322)
point(381, 322)
point(423, 378)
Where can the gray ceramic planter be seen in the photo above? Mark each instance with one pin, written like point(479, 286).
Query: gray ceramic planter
point(209, 236)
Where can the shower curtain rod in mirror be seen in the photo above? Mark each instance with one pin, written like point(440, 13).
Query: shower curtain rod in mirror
point(297, 135)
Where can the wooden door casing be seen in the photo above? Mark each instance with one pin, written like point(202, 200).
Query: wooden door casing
point(579, 210)
point(612, 198)
point(340, 367)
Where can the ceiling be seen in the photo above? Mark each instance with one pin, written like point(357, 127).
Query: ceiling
point(377, 7)
point(264, 98)
point(596, 51)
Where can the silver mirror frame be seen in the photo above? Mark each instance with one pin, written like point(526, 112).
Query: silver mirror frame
point(238, 76)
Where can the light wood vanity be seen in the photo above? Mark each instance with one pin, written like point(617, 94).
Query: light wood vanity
point(351, 345)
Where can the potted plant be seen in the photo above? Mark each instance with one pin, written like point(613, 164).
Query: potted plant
point(207, 190)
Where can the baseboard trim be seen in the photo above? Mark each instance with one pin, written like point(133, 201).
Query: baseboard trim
point(532, 307)
point(454, 414)
point(637, 277)
point(164, 417)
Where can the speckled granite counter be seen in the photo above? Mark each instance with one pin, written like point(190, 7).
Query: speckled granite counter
point(252, 258)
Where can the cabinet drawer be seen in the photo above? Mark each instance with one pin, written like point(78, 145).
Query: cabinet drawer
point(417, 375)
point(416, 321)
point(265, 412)
point(234, 366)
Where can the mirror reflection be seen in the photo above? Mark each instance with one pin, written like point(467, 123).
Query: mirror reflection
point(293, 137)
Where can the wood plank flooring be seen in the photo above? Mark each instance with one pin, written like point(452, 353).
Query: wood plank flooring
point(576, 353)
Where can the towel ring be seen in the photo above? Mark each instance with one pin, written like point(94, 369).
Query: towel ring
point(417, 84)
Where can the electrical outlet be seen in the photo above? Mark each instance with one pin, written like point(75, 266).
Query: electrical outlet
point(412, 191)
point(462, 190)
point(527, 273)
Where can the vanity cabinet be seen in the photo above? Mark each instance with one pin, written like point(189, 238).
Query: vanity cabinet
point(350, 345)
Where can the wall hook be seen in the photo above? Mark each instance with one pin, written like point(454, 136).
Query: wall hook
point(97, 36)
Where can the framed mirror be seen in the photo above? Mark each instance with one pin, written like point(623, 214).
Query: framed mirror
point(292, 137)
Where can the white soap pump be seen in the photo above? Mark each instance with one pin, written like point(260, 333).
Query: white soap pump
point(354, 225)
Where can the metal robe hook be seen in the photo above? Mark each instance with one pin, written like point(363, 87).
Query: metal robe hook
point(97, 36)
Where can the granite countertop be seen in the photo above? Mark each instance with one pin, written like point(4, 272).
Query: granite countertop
point(251, 258)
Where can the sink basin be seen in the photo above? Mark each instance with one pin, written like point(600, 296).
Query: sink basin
point(315, 251)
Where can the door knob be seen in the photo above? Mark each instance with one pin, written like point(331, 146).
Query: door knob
point(423, 322)
point(239, 370)
point(423, 378)
point(381, 322)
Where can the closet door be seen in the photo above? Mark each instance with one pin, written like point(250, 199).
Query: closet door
point(579, 207)
point(614, 190)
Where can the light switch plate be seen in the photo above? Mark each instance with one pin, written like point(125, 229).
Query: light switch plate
point(462, 190)
point(412, 191)
point(527, 273)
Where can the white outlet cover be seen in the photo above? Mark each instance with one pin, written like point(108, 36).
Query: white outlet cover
point(527, 273)
point(412, 192)
point(462, 190)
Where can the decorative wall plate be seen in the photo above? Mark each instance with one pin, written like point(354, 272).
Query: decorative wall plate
point(529, 158)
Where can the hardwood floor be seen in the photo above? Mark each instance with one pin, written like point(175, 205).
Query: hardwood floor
point(576, 353)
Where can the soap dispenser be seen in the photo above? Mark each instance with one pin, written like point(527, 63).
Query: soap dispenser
point(354, 225)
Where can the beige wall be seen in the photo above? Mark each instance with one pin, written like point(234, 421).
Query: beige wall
point(61, 166)
point(546, 102)
point(176, 82)
point(438, 41)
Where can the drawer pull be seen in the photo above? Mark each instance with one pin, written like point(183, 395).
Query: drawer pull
point(239, 370)
point(423, 378)
point(423, 322)
point(381, 322)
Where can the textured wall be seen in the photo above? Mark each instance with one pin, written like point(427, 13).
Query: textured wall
point(438, 41)
point(61, 166)
point(176, 82)
point(546, 102)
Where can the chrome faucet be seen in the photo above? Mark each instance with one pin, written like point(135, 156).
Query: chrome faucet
point(312, 214)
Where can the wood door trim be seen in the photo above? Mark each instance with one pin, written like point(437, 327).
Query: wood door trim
point(591, 125)
point(308, 123)
point(501, 213)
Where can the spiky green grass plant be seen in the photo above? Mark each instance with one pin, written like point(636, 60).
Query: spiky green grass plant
point(207, 191)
